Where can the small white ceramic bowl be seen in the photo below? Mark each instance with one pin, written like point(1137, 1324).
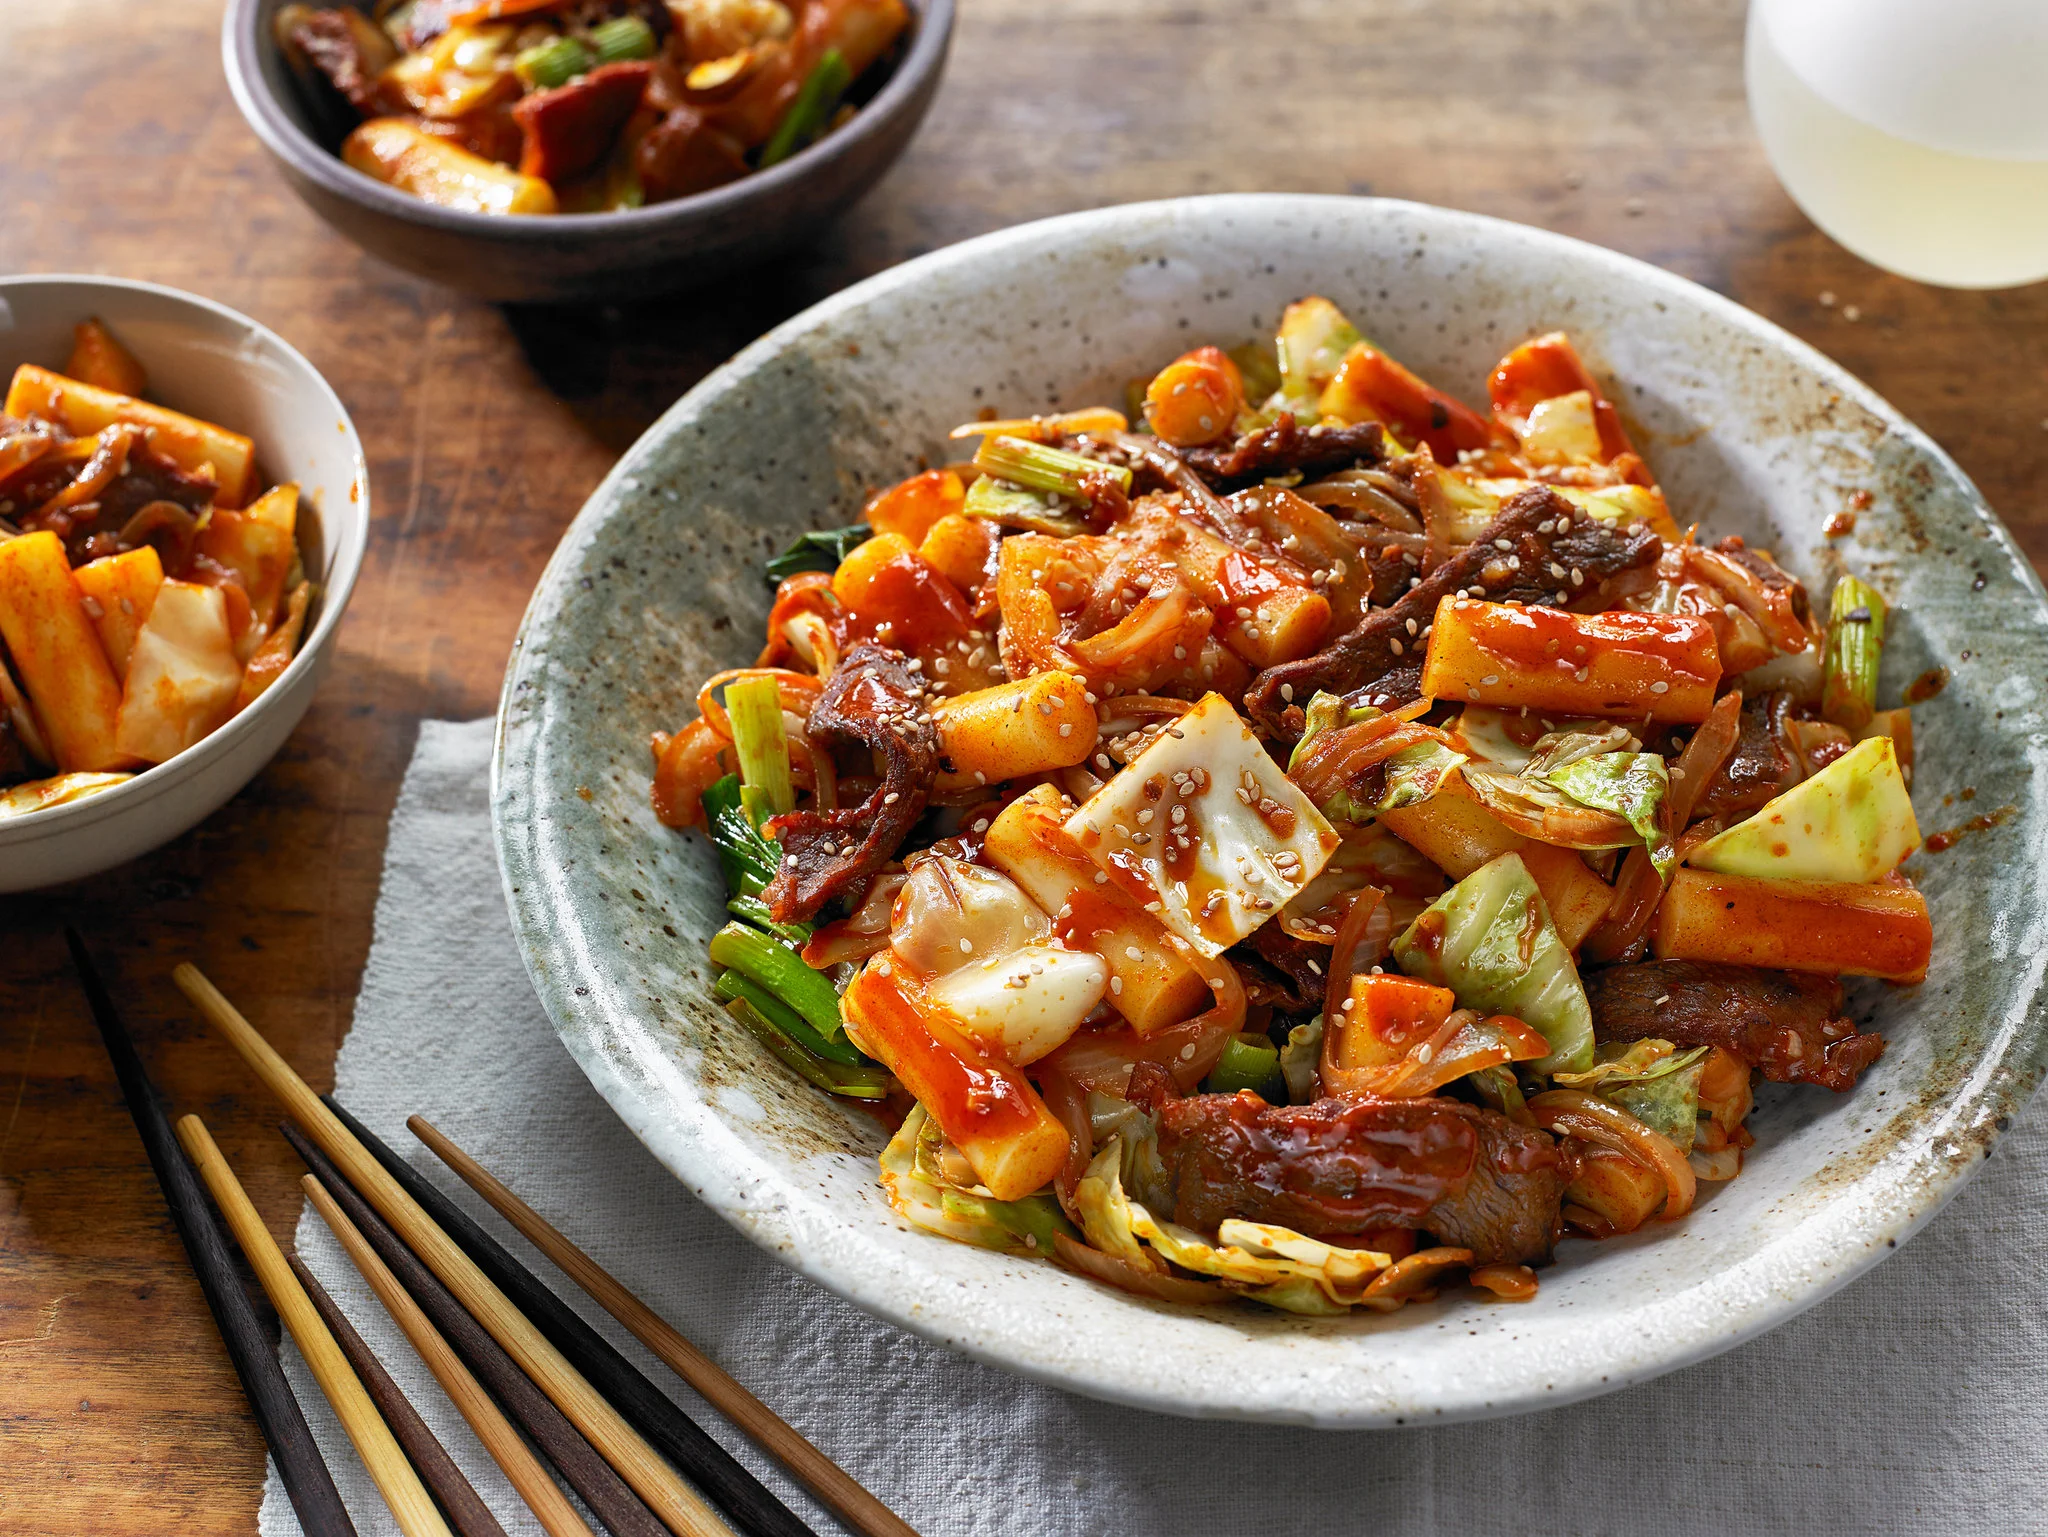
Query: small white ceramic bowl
point(203, 358)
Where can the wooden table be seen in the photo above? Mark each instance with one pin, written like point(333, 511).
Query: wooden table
point(486, 427)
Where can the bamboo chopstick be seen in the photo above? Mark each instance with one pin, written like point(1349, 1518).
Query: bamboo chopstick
point(458, 1499)
point(528, 1477)
point(825, 1478)
point(608, 1496)
point(679, 1506)
point(402, 1490)
point(666, 1426)
point(307, 1482)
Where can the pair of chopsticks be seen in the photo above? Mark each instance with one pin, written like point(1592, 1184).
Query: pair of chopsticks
point(491, 1333)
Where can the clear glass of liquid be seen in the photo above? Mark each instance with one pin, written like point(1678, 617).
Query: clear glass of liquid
point(1915, 132)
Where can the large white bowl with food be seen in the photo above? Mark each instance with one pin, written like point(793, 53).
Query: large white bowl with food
point(206, 360)
point(657, 584)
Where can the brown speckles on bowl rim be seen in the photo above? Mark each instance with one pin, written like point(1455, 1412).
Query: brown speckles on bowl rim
point(657, 584)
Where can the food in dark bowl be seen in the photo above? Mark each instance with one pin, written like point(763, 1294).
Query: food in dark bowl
point(584, 106)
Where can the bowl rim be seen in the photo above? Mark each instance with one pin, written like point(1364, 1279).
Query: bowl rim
point(337, 584)
point(242, 43)
point(1988, 1090)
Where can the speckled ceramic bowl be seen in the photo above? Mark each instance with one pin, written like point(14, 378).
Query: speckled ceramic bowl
point(1751, 432)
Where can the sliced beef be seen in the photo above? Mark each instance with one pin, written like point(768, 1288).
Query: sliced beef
point(872, 699)
point(347, 49)
point(1789, 1024)
point(1761, 766)
point(1346, 1166)
point(1281, 970)
point(1508, 1211)
point(1376, 663)
point(1287, 446)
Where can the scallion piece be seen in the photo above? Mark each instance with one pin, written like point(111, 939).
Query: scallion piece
point(755, 706)
point(1248, 1065)
point(747, 858)
point(1012, 506)
point(1856, 615)
point(737, 984)
point(555, 62)
point(753, 910)
point(811, 111)
point(853, 1082)
point(1038, 467)
point(622, 38)
point(781, 972)
point(821, 550)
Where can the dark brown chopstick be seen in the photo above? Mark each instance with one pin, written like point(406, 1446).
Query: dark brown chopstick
point(587, 1473)
point(774, 1435)
point(666, 1427)
point(458, 1499)
point(681, 1507)
point(307, 1482)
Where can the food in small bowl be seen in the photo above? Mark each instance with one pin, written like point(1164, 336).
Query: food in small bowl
point(146, 595)
point(182, 514)
point(585, 106)
point(598, 248)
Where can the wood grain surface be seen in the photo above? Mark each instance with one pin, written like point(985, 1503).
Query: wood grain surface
point(1620, 123)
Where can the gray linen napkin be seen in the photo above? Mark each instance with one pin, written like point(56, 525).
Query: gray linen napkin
point(1910, 1402)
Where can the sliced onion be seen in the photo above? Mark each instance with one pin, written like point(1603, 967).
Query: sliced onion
point(1575, 1113)
point(1362, 942)
point(1510, 1283)
point(1105, 1267)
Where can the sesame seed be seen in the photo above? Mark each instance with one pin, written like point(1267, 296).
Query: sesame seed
point(882, 968)
point(1490, 679)
point(1116, 986)
point(1287, 692)
point(1660, 687)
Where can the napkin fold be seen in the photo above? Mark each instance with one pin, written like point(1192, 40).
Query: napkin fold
point(1910, 1402)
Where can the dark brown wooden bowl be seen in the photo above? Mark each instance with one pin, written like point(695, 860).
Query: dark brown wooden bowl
point(580, 257)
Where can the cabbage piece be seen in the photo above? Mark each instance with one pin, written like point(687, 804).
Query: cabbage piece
point(1107, 1215)
point(1557, 749)
point(988, 958)
point(1562, 430)
point(1027, 1226)
point(1632, 785)
point(1538, 809)
point(1314, 337)
point(1204, 830)
point(1652, 1080)
point(1490, 940)
point(1413, 774)
point(1853, 821)
point(1257, 1254)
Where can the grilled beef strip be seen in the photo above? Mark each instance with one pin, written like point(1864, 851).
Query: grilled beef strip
point(872, 698)
point(1789, 1024)
point(1281, 970)
point(1287, 446)
point(1374, 663)
point(1345, 1166)
point(1761, 767)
